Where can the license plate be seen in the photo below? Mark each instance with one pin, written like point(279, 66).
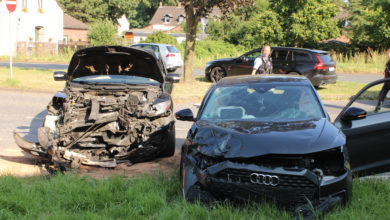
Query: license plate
point(331, 69)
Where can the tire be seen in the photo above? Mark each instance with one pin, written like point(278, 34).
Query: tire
point(217, 73)
point(169, 148)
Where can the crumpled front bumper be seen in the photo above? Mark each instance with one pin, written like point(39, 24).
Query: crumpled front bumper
point(144, 152)
point(300, 191)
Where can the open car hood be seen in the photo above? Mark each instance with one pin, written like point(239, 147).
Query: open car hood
point(247, 139)
point(115, 60)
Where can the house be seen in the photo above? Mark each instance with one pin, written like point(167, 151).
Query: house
point(168, 19)
point(74, 30)
point(123, 25)
point(32, 21)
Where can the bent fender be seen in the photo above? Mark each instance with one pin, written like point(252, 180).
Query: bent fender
point(31, 148)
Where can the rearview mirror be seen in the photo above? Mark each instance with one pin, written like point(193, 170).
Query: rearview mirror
point(185, 115)
point(59, 76)
point(173, 77)
point(354, 114)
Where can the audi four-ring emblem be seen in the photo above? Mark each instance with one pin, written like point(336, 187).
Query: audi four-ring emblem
point(264, 179)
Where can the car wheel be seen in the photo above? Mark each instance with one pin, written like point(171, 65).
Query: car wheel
point(169, 149)
point(217, 73)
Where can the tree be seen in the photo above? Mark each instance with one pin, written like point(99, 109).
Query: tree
point(195, 10)
point(369, 23)
point(143, 10)
point(90, 11)
point(85, 10)
point(102, 33)
point(307, 21)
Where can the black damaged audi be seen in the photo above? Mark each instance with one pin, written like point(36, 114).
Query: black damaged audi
point(265, 138)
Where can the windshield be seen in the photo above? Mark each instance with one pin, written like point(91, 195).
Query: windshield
point(115, 79)
point(262, 102)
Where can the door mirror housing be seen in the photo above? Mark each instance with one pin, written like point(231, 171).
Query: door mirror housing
point(354, 113)
point(185, 115)
point(173, 77)
point(59, 76)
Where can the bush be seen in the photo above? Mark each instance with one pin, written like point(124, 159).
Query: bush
point(160, 37)
point(102, 33)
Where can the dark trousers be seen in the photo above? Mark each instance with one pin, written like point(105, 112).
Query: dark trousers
point(382, 95)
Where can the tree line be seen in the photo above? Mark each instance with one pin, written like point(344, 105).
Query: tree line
point(253, 23)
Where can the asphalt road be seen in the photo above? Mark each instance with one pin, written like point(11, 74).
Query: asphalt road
point(360, 78)
point(24, 111)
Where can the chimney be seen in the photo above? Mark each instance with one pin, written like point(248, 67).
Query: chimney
point(160, 4)
point(179, 4)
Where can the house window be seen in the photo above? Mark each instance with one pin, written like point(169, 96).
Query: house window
point(167, 18)
point(39, 33)
point(181, 19)
point(24, 3)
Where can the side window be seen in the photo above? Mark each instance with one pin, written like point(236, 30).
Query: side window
point(374, 100)
point(301, 56)
point(279, 55)
point(253, 56)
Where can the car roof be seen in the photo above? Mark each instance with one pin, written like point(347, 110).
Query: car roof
point(272, 78)
point(301, 49)
point(156, 44)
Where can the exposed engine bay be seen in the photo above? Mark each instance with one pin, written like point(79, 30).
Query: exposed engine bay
point(102, 127)
point(104, 117)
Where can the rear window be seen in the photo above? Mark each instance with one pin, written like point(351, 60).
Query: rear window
point(325, 58)
point(302, 56)
point(172, 49)
point(152, 47)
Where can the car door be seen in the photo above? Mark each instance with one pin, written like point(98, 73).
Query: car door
point(302, 62)
point(243, 65)
point(280, 60)
point(368, 132)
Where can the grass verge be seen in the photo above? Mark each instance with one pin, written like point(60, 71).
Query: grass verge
point(154, 197)
point(193, 92)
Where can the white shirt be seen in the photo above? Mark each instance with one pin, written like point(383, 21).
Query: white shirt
point(258, 62)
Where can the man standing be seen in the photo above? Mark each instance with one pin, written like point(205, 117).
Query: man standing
point(386, 85)
point(263, 63)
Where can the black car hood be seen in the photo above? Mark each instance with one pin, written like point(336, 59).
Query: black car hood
point(252, 139)
point(115, 60)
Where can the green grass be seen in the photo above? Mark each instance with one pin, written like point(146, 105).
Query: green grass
point(364, 62)
point(154, 197)
point(29, 79)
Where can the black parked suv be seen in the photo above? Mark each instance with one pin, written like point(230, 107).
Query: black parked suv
point(316, 65)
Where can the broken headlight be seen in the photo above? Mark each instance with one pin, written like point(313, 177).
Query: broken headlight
point(161, 107)
point(329, 164)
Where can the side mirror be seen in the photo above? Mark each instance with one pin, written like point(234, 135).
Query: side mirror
point(59, 76)
point(173, 77)
point(354, 114)
point(185, 115)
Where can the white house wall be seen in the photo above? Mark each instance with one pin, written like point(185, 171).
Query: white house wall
point(51, 19)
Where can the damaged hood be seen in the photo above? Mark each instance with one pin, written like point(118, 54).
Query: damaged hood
point(241, 139)
point(115, 60)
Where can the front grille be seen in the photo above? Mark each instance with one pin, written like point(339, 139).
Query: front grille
point(291, 189)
